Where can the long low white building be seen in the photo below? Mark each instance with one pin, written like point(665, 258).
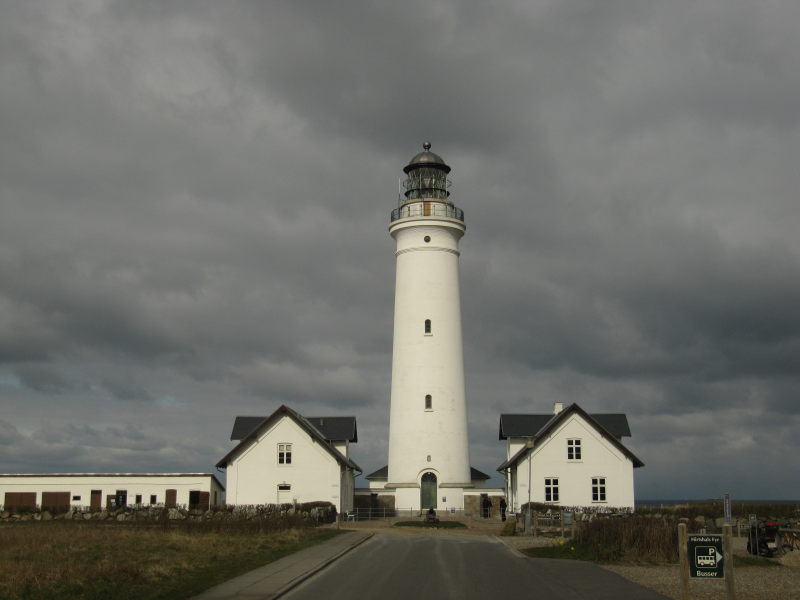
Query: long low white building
point(61, 491)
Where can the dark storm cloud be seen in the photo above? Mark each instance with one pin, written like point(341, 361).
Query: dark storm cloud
point(194, 199)
point(695, 308)
point(83, 448)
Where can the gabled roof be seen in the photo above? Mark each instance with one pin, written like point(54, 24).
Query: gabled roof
point(333, 429)
point(302, 422)
point(475, 474)
point(554, 421)
point(383, 473)
point(244, 425)
point(518, 425)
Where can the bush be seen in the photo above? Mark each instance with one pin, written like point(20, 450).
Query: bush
point(639, 539)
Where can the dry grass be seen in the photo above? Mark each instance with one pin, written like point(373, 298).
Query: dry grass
point(124, 560)
point(631, 538)
point(714, 508)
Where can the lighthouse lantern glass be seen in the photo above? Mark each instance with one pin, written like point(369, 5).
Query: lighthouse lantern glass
point(426, 182)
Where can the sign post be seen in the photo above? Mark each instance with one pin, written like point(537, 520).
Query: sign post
point(726, 500)
point(728, 555)
point(704, 556)
point(684, 561)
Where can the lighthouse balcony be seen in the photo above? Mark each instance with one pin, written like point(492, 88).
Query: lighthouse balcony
point(427, 209)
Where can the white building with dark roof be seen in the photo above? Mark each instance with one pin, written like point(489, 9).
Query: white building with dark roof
point(286, 457)
point(568, 458)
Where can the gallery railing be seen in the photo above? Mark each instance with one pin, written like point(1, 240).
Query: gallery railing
point(427, 209)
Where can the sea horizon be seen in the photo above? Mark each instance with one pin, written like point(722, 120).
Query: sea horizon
point(675, 502)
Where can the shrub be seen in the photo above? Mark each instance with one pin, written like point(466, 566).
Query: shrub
point(634, 539)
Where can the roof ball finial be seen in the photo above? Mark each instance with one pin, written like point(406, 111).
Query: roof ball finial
point(426, 145)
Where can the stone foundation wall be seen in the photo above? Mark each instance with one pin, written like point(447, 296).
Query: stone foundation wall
point(472, 506)
point(319, 512)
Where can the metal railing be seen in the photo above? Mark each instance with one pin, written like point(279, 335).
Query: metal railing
point(427, 209)
point(369, 514)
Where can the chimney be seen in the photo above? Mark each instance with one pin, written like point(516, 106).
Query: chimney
point(558, 407)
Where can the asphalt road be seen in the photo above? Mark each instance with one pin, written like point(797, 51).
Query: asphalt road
point(460, 567)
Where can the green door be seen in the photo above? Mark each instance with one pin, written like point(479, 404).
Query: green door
point(427, 491)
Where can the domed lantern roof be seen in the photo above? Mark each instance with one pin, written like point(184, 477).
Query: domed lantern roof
point(426, 158)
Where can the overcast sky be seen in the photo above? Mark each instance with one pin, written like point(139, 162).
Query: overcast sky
point(194, 200)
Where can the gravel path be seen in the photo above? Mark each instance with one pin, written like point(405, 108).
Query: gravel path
point(751, 583)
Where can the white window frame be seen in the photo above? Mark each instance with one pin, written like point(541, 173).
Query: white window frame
point(285, 454)
point(574, 450)
point(551, 492)
point(599, 495)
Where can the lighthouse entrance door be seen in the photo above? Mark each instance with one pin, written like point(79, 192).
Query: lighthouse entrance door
point(427, 491)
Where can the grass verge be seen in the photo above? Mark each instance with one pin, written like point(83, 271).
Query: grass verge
point(67, 560)
point(567, 551)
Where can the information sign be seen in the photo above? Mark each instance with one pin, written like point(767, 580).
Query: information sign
point(705, 556)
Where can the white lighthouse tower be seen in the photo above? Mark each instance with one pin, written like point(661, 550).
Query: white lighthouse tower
point(428, 446)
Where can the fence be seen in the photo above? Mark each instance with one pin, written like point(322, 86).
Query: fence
point(381, 513)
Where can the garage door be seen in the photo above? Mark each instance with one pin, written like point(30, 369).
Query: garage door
point(55, 502)
point(16, 501)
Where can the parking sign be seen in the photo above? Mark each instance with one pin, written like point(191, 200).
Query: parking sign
point(705, 556)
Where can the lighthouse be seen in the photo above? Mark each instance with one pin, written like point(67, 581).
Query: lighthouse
point(428, 443)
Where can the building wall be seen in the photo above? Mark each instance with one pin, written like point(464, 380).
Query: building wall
point(446, 498)
point(599, 458)
point(313, 475)
point(347, 490)
point(343, 447)
point(80, 487)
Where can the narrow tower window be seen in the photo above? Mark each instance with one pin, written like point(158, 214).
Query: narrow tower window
point(427, 326)
point(428, 402)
